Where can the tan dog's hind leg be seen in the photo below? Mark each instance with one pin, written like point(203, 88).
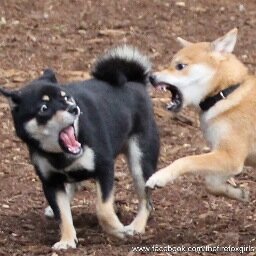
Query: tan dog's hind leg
point(107, 216)
point(217, 185)
point(218, 164)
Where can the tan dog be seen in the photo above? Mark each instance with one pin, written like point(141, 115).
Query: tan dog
point(209, 77)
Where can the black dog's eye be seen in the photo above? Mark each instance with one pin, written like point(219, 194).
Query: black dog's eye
point(68, 99)
point(43, 108)
point(180, 66)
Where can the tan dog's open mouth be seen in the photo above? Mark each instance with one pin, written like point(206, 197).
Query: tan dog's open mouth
point(176, 101)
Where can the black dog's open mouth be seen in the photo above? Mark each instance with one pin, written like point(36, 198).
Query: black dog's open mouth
point(176, 102)
point(68, 141)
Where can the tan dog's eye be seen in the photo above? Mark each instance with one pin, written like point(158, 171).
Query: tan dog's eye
point(180, 66)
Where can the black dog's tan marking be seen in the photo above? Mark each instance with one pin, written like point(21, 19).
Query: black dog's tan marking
point(62, 93)
point(46, 98)
point(75, 132)
point(106, 213)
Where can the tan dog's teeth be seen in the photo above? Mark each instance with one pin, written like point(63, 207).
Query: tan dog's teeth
point(170, 104)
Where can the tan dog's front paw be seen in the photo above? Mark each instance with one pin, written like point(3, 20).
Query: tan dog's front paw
point(64, 245)
point(157, 180)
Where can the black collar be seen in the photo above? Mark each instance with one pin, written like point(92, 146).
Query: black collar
point(212, 100)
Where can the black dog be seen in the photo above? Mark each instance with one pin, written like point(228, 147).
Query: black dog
point(74, 132)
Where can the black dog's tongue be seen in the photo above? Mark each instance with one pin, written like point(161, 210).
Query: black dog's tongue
point(68, 138)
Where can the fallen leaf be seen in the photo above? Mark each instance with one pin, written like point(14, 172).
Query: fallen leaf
point(111, 32)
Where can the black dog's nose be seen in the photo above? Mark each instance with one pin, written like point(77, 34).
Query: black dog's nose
point(74, 109)
point(152, 79)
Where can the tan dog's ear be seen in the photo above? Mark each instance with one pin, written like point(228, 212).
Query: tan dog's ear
point(183, 42)
point(226, 43)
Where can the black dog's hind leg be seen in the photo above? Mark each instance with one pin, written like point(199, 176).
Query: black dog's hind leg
point(142, 164)
point(105, 202)
point(59, 202)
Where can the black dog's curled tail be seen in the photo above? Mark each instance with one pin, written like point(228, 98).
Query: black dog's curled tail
point(122, 64)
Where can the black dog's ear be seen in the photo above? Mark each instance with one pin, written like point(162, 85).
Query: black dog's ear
point(49, 75)
point(14, 97)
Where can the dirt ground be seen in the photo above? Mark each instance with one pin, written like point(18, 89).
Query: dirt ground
point(67, 36)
